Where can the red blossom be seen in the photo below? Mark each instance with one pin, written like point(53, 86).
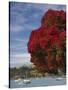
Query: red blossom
point(45, 41)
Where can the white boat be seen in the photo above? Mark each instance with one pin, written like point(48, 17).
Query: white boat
point(59, 79)
point(17, 80)
point(26, 81)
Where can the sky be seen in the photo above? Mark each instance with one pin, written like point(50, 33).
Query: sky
point(25, 17)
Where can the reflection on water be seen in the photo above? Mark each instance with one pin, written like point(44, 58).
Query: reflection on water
point(35, 82)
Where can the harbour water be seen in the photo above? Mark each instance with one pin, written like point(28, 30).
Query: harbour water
point(36, 82)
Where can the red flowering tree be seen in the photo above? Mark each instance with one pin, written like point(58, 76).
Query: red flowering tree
point(47, 44)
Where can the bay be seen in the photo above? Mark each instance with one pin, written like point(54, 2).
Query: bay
point(37, 82)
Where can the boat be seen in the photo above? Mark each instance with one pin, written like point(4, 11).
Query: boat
point(17, 80)
point(59, 79)
point(26, 81)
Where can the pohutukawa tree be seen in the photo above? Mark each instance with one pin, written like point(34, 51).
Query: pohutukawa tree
point(47, 44)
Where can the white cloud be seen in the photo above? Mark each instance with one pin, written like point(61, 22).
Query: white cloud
point(23, 27)
point(55, 7)
point(21, 44)
point(17, 55)
point(16, 28)
point(19, 59)
point(22, 55)
point(21, 40)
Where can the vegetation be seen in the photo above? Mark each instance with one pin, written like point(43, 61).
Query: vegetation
point(47, 44)
point(28, 72)
point(47, 47)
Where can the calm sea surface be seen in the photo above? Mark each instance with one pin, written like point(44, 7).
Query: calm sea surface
point(36, 82)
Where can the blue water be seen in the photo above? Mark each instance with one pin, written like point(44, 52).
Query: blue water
point(36, 82)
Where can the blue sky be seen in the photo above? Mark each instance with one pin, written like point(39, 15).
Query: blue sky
point(25, 17)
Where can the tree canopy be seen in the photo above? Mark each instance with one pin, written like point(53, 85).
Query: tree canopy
point(47, 44)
